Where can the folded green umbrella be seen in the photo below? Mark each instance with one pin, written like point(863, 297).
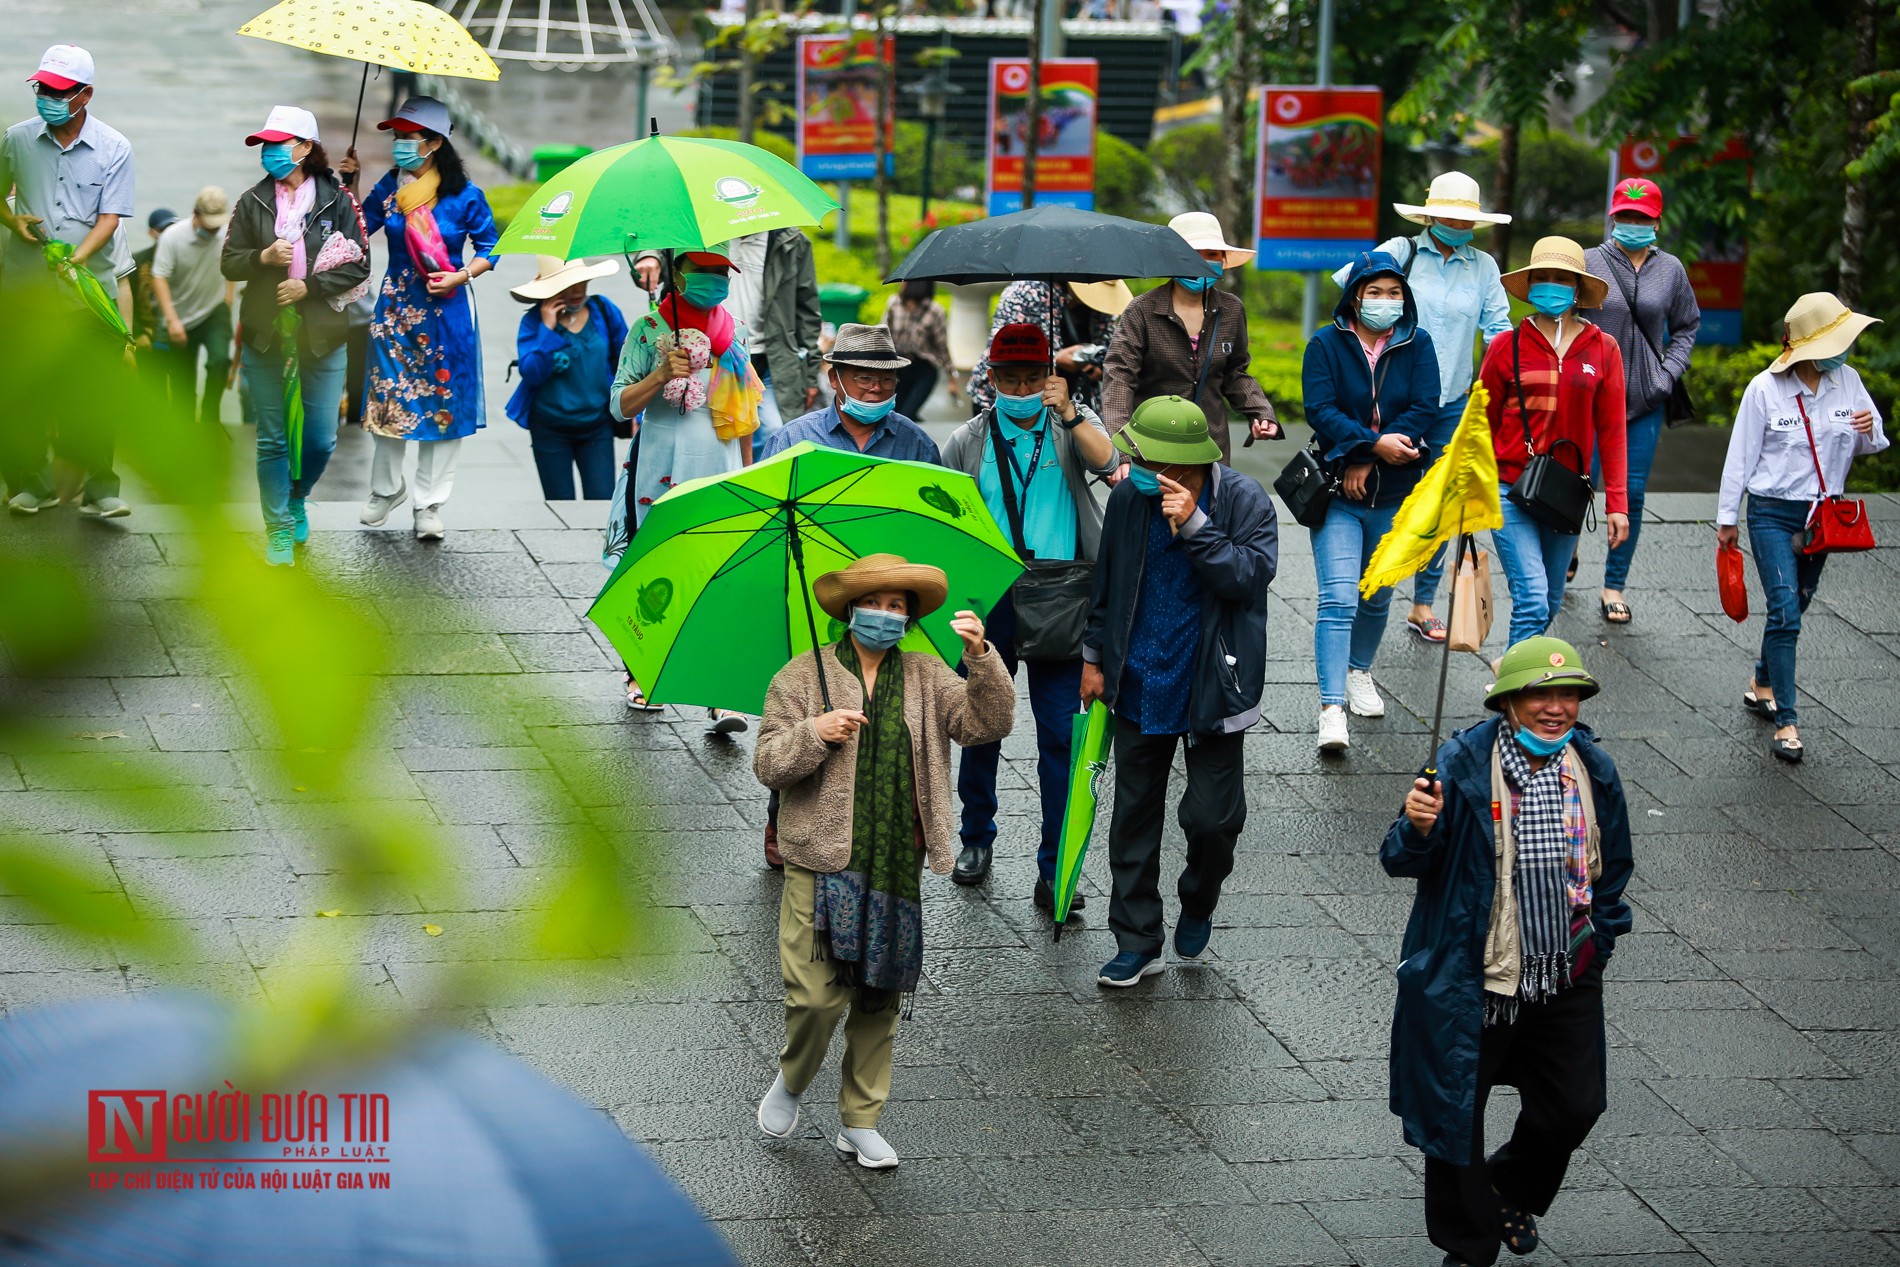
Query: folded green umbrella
point(1093, 732)
point(713, 595)
point(86, 283)
point(289, 322)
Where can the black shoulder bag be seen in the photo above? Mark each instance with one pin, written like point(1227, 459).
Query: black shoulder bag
point(1052, 595)
point(1548, 491)
point(1679, 407)
point(1304, 483)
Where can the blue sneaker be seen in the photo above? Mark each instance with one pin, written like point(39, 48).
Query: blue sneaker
point(299, 522)
point(1128, 968)
point(278, 551)
point(1190, 936)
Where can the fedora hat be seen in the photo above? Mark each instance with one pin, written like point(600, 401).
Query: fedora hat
point(1107, 298)
point(836, 591)
point(552, 275)
point(1817, 327)
point(1452, 196)
point(1203, 232)
point(867, 347)
point(1558, 253)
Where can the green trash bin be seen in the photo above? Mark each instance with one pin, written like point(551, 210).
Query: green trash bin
point(551, 160)
point(840, 302)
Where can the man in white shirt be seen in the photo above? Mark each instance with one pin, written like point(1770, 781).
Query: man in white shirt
point(194, 301)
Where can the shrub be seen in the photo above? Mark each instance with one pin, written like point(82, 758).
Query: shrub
point(952, 165)
point(1187, 159)
point(1124, 178)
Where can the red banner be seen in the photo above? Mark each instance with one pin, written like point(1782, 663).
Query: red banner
point(1318, 175)
point(1065, 153)
point(837, 105)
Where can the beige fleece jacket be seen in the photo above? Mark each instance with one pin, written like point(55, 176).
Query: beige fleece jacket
point(816, 783)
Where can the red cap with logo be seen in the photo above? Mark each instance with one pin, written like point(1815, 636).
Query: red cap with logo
point(64, 68)
point(1019, 343)
point(1639, 194)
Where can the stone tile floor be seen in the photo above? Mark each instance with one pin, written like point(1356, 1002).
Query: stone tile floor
point(1227, 1112)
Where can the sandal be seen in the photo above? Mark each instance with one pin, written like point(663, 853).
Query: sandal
point(1762, 708)
point(1429, 630)
point(1570, 573)
point(1518, 1230)
point(1788, 750)
point(1615, 613)
point(637, 700)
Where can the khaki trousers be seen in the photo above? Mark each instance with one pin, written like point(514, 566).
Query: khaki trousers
point(812, 1008)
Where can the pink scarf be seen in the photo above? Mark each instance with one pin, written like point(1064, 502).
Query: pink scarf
point(293, 218)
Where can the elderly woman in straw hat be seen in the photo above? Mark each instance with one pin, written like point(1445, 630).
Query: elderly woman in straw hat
point(1519, 840)
point(1189, 339)
point(1459, 297)
point(566, 350)
point(856, 742)
point(1556, 389)
point(1801, 424)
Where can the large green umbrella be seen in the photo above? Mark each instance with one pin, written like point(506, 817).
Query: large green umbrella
point(713, 596)
point(676, 193)
point(1092, 733)
point(86, 284)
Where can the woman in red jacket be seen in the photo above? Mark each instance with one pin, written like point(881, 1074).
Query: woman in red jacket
point(1556, 387)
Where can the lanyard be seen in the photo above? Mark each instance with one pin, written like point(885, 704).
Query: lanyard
point(1007, 449)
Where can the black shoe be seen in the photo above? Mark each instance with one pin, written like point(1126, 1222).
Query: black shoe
point(1045, 898)
point(1788, 750)
point(973, 865)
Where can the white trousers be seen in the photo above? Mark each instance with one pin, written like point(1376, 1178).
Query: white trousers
point(435, 469)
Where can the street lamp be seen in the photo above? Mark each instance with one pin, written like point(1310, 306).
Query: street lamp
point(933, 93)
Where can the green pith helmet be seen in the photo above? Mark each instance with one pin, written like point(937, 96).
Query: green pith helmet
point(1167, 430)
point(1540, 661)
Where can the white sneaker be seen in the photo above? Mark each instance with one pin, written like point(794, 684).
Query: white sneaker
point(428, 524)
point(376, 509)
point(105, 508)
point(1332, 729)
point(1362, 696)
point(778, 1111)
point(30, 503)
point(868, 1147)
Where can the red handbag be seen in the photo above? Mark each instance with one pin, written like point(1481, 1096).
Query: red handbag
point(1731, 581)
point(1837, 524)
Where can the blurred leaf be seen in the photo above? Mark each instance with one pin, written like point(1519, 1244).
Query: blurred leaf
point(86, 902)
point(48, 618)
point(434, 930)
point(329, 914)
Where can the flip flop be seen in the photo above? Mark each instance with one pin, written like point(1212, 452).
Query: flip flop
point(1615, 613)
point(727, 723)
point(1430, 630)
point(1570, 573)
point(637, 700)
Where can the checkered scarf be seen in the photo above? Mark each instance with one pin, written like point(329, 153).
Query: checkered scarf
point(1552, 880)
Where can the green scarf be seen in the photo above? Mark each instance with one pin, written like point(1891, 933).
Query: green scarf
point(869, 917)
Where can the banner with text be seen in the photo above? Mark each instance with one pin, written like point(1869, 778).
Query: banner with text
point(1317, 176)
point(837, 106)
point(1065, 156)
point(1721, 261)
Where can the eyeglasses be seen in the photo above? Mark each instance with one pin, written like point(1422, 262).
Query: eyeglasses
point(868, 382)
point(47, 90)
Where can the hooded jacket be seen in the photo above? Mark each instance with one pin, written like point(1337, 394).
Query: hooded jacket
point(1350, 404)
point(254, 227)
point(1439, 1015)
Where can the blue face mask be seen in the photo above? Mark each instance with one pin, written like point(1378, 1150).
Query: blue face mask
point(204, 234)
point(705, 290)
point(56, 111)
point(1199, 284)
point(1380, 314)
point(1538, 746)
point(1020, 409)
point(864, 411)
point(1552, 298)
point(407, 152)
point(877, 630)
point(1451, 237)
point(1144, 480)
point(1634, 236)
point(276, 160)
point(1831, 364)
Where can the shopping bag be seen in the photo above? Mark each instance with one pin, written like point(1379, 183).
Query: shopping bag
point(1731, 580)
point(1471, 601)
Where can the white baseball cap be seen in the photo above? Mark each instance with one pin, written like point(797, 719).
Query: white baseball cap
point(65, 67)
point(286, 123)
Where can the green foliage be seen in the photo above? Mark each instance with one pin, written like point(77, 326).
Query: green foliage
point(1562, 185)
point(857, 266)
point(1124, 178)
point(953, 166)
point(1187, 158)
point(773, 143)
point(1883, 134)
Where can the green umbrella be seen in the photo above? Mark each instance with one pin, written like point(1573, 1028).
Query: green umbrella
point(86, 283)
point(1089, 743)
point(713, 596)
point(663, 193)
point(288, 323)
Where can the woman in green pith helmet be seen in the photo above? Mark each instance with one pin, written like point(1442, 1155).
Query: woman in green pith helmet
point(1519, 840)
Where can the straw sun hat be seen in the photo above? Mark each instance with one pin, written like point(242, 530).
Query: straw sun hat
point(1204, 233)
point(1558, 253)
point(1817, 327)
point(552, 275)
point(836, 591)
point(1452, 196)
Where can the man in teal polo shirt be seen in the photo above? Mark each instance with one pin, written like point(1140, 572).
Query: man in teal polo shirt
point(1031, 454)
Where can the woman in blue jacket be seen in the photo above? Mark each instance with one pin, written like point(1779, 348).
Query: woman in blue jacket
point(1500, 976)
point(566, 349)
point(1370, 382)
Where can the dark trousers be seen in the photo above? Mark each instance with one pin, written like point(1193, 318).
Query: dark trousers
point(915, 382)
point(1554, 1055)
point(213, 336)
point(96, 388)
point(1212, 812)
point(559, 450)
point(1055, 696)
point(356, 373)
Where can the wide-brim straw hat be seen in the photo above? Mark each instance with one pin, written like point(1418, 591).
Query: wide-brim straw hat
point(1452, 196)
point(1817, 327)
point(836, 591)
point(552, 275)
point(867, 347)
point(1203, 232)
point(1558, 253)
point(1107, 298)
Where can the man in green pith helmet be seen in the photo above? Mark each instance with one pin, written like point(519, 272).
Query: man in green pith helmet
point(1519, 839)
point(1176, 647)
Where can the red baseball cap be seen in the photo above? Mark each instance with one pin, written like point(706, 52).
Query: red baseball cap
point(709, 259)
point(64, 68)
point(1019, 343)
point(1639, 194)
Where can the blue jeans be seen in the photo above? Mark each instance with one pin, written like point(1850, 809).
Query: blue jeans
point(322, 395)
point(1425, 584)
point(1055, 696)
point(1534, 560)
point(1349, 627)
point(1788, 579)
point(1644, 433)
point(558, 450)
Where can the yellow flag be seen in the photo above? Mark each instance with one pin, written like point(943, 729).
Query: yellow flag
point(1459, 494)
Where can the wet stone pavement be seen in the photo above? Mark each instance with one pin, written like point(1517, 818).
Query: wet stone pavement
point(1231, 1111)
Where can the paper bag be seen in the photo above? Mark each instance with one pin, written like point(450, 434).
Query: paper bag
point(1471, 601)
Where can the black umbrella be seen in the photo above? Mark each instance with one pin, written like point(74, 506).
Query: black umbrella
point(1051, 243)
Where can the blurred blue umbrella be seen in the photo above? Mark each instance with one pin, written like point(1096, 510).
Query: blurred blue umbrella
point(489, 1162)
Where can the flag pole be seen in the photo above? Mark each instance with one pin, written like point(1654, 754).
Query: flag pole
point(1444, 657)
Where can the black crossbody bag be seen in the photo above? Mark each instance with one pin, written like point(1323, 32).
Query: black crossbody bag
point(1052, 595)
point(1679, 407)
point(1548, 491)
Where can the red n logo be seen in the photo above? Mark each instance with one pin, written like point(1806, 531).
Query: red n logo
point(125, 1126)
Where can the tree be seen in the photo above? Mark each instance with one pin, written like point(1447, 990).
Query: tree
point(1233, 179)
point(886, 89)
